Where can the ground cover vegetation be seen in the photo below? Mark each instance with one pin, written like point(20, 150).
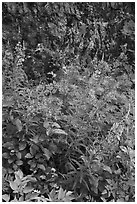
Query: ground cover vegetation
point(68, 99)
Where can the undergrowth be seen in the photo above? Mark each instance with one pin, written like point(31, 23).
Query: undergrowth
point(70, 140)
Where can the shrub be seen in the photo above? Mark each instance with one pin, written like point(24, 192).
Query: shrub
point(79, 126)
point(69, 135)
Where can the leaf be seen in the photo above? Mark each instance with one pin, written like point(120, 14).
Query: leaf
point(5, 155)
point(53, 148)
point(55, 125)
point(31, 196)
point(118, 172)
point(131, 153)
point(49, 131)
point(104, 192)
point(28, 155)
point(8, 101)
point(59, 131)
point(47, 153)
point(121, 200)
point(81, 176)
point(13, 185)
point(19, 173)
point(19, 162)
point(95, 166)
point(4, 171)
point(69, 193)
point(18, 124)
point(17, 180)
point(35, 139)
point(32, 163)
point(52, 195)
point(21, 199)
point(127, 198)
point(107, 168)
point(42, 137)
point(19, 155)
point(46, 124)
point(68, 198)
point(14, 200)
point(76, 162)
point(94, 181)
point(29, 178)
point(9, 145)
point(10, 161)
point(34, 149)
point(28, 189)
point(61, 194)
point(22, 145)
point(124, 149)
point(41, 166)
point(6, 197)
point(130, 182)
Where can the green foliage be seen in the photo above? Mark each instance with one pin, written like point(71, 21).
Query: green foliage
point(54, 33)
point(23, 191)
point(70, 138)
